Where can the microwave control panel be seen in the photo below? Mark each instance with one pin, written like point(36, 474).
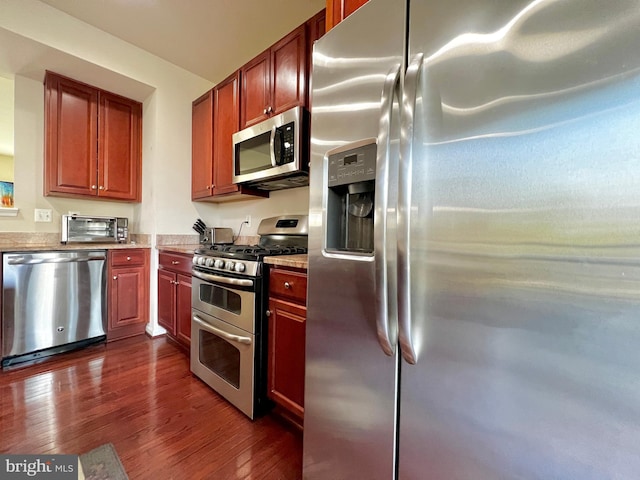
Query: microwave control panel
point(352, 166)
point(284, 143)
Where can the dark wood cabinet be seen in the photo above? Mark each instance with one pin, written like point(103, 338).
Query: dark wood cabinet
point(92, 142)
point(316, 26)
point(275, 80)
point(128, 292)
point(202, 146)
point(338, 10)
point(174, 296)
point(215, 118)
point(226, 122)
point(256, 89)
point(286, 351)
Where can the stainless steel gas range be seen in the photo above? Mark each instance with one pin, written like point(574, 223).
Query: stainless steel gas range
point(229, 304)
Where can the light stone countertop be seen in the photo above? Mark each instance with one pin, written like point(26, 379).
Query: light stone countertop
point(295, 261)
point(188, 248)
point(32, 242)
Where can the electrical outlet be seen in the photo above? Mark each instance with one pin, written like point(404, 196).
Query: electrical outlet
point(247, 220)
point(42, 215)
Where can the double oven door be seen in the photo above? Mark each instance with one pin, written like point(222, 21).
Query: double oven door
point(226, 338)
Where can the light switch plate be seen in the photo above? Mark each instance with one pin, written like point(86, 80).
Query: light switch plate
point(42, 215)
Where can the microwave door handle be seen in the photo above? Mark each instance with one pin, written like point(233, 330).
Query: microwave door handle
point(272, 146)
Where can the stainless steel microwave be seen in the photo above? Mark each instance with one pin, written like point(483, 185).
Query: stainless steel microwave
point(94, 229)
point(273, 154)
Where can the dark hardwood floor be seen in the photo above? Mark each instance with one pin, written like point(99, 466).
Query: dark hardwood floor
point(139, 395)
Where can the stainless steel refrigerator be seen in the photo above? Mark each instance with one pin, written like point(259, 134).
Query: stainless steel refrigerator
point(474, 260)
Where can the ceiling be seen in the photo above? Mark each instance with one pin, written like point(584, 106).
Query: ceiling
point(210, 38)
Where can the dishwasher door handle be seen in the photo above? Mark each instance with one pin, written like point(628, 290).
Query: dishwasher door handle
point(36, 261)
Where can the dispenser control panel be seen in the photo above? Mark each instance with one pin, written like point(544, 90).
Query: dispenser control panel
point(352, 166)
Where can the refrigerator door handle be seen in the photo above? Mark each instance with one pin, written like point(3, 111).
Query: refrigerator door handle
point(387, 334)
point(411, 82)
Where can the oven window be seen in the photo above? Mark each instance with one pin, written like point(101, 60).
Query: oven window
point(221, 357)
point(221, 297)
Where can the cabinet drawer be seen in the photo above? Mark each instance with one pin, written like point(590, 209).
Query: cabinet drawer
point(288, 284)
point(175, 262)
point(120, 258)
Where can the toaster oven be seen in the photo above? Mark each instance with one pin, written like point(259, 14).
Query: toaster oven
point(94, 229)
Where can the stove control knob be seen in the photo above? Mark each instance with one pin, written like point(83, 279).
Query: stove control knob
point(231, 265)
point(239, 267)
point(195, 260)
point(200, 260)
point(219, 263)
point(209, 262)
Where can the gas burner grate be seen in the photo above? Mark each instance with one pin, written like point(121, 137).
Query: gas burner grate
point(251, 251)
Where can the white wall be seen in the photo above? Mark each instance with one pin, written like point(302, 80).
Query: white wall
point(6, 168)
point(166, 121)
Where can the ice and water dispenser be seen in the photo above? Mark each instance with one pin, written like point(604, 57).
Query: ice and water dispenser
point(351, 195)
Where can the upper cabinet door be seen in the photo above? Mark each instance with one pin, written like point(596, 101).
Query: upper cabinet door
point(256, 89)
point(119, 148)
point(202, 147)
point(338, 10)
point(226, 120)
point(289, 63)
point(71, 132)
point(316, 28)
point(275, 80)
point(93, 142)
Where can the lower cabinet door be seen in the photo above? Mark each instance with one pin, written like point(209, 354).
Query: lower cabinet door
point(287, 355)
point(183, 309)
point(128, 302)
point(167, 301)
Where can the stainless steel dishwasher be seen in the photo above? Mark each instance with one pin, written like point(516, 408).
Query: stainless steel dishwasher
point(52, 301)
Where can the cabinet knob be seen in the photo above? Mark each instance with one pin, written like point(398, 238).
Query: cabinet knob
point(208, 187)
point(115, 277)
point(93, 187)
point(268, 313)
point(128, 259)
point(269, 110)
point(264, 111)
point(287, 285)
point(175, 262)
point(101, 187)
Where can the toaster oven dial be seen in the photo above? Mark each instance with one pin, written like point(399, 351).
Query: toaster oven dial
point(219, 263)
point(239, 267)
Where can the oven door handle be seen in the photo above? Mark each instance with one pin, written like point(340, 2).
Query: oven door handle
point(221, 333)
point(217, 278)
